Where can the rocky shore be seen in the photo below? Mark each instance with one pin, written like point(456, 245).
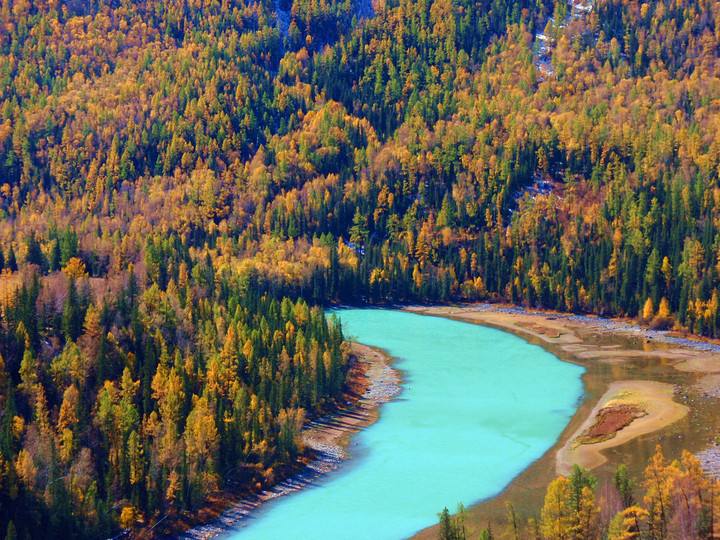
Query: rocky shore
point(710, 461)
point(327, 458)
point(609, 325)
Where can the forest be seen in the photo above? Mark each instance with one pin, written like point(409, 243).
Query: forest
point(672, 500)
point(185, 184)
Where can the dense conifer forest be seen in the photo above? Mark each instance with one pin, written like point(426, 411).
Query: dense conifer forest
point(184, 183)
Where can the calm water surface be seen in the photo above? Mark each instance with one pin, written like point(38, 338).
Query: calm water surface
point(477, 407)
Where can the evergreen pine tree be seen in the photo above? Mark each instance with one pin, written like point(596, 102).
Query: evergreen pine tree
point(11, 532)
point(72, 317)
point(35, 254)
point(11, 260)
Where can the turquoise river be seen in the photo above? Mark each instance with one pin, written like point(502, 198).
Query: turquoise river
point(477, 407)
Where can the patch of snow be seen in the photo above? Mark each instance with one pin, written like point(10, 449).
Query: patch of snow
point(364, 9)
point(283, 20)
point(543, 54)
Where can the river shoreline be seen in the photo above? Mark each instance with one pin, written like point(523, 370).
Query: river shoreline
point(373, 381)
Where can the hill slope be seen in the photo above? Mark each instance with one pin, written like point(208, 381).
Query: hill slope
point(171, 171)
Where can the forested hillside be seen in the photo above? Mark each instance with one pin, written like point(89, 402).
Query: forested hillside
point(181, 182)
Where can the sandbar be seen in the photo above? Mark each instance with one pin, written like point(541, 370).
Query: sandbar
point(654, 398)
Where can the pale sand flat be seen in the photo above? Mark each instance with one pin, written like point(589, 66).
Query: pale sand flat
point(654, 397)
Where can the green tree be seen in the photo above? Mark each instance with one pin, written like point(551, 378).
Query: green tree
point(624, 484)
point(580, 478)
point(72, 316)
point(452, 528)
point(11, 532)
point(359, 230)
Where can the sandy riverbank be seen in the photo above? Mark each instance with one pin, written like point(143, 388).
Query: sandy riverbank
point(372, 381)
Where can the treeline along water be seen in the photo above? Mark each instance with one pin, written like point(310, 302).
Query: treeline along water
point(477, 407)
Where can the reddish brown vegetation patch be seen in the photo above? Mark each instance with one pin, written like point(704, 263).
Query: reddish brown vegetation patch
point(609, 421)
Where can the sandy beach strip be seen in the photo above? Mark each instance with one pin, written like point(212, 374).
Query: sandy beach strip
point(554, 327)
